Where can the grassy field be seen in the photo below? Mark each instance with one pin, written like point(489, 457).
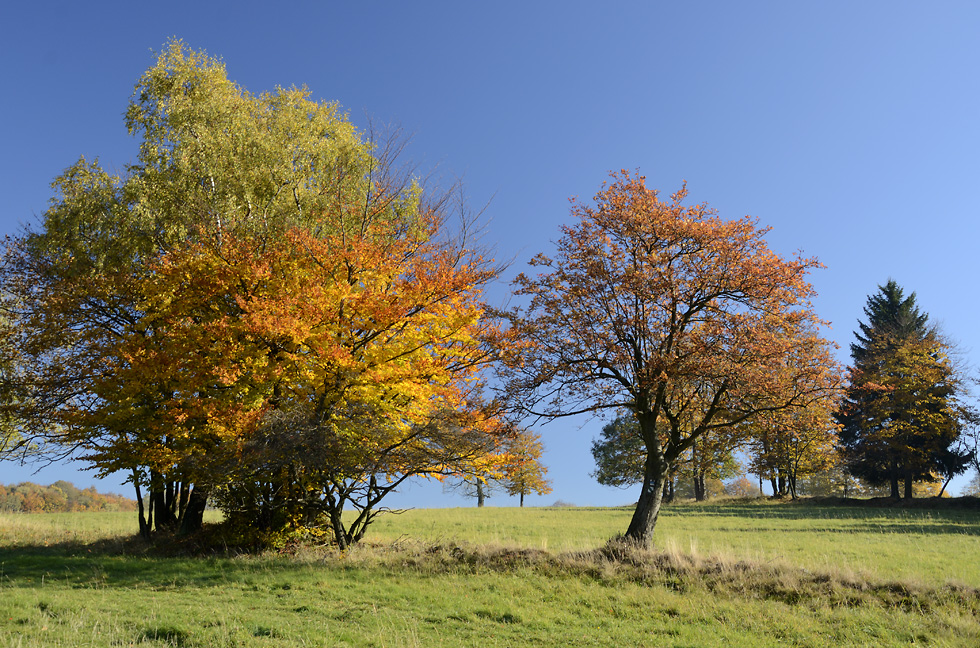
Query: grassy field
point(758, 574)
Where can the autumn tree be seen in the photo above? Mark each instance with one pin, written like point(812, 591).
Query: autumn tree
point(900, 416)
point(523, 472)
point(665, 311)
point(263, 307)
point(16, 442)
point(517, 470)
point(478, 488)
point(789, 445)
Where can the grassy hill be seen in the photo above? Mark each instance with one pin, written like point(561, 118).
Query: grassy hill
point(735, 573)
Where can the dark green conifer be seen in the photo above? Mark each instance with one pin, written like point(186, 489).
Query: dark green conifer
point(899, 415)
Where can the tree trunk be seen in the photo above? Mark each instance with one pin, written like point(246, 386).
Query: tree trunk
point(908, 487)
point(943, 489)
point(522, 499)
point(480, 496)
point(182, 501)
point(894, 485)
point(193, 518)
point(336, 522)
point(699, 487)
point(644, 518)
point(144, 527)
point(165, 518)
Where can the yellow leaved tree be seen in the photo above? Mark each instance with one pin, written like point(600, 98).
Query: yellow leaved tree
point(263, 309)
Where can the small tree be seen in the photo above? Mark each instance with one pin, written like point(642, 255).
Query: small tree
point(791, 445)
point(523, 472)
point(973, 488)
point(619, 454)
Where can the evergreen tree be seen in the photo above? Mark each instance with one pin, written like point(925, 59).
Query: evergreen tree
point(900, 416)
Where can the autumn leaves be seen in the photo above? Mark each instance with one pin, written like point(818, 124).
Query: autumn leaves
point(684, 320)
point(264, 312)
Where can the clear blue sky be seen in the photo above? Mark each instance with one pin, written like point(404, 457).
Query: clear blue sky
point(851, 128)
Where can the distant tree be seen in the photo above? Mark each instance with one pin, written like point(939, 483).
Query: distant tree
point(900, 416)
point(60, 497)
point(479, 489)
point(742, 486)
point(523, 472)
point(972, 489)
point(790, 445)
point(707, 463)
point(619, 453)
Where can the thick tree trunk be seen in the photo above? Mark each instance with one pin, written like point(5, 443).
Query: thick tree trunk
point(699, 493)
point(647, 510)
point(894, 484)
point(522, 499)
point(182, 500)
point(193, 518)
point(165, 518)
point(480, 496)
point(336, 522)
point(908, 487)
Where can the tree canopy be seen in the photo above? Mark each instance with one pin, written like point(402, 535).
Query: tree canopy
point(263, 307)
point(669, 312)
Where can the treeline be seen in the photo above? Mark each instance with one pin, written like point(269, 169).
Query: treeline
point(59, 497)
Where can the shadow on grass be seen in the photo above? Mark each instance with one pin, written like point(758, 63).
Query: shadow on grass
point(965, 508)
point(123, 562)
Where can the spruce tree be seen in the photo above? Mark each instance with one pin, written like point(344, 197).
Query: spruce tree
point(899, 415)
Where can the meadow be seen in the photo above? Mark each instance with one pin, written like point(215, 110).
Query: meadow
point(728, 573)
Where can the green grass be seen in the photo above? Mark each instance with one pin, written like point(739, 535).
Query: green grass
point(893, 543)
point(759, 574)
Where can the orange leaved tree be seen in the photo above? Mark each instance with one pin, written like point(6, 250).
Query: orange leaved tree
point(523, 472)
point(264, 308)
point(340, 365)
point(668, 312)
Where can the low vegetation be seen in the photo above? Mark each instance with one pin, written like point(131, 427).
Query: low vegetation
point(736, 573)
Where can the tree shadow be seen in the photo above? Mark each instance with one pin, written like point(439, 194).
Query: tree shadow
point(125, 562)
point(926, 516)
